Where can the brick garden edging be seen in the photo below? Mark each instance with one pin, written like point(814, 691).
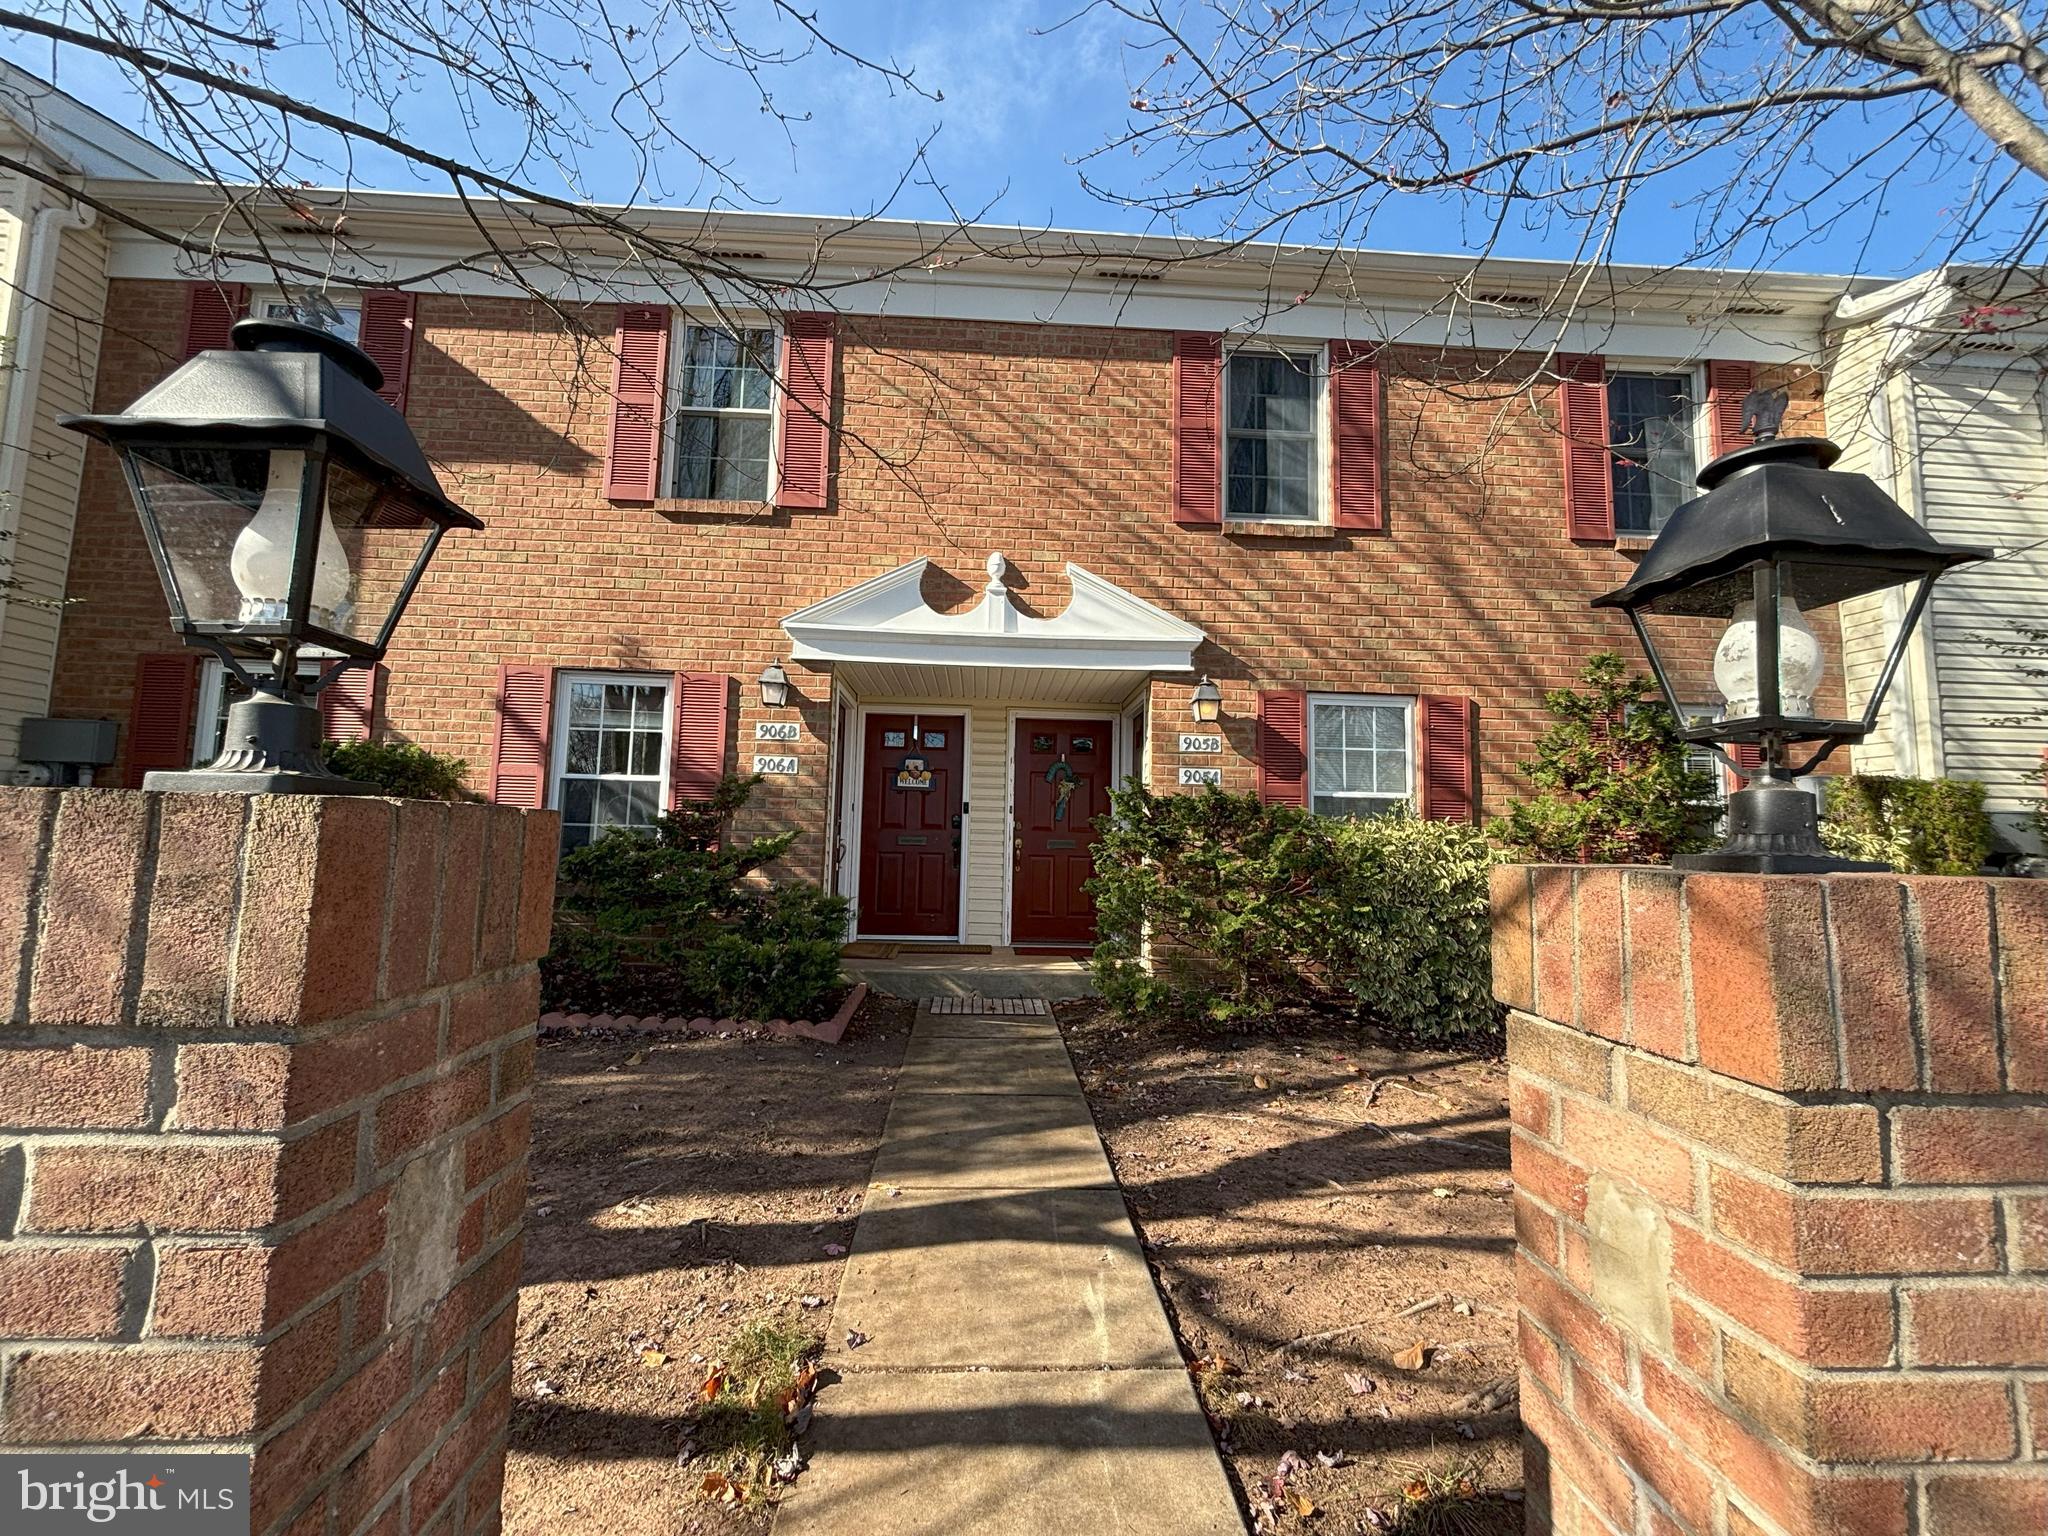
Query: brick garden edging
point(828, 1030)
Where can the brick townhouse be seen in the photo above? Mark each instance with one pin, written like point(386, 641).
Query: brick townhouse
point(997, 519)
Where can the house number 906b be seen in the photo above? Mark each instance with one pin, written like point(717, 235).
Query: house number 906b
point(777, 730)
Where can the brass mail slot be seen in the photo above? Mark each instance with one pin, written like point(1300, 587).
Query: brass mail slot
point(910, 842)
point(1062, 842)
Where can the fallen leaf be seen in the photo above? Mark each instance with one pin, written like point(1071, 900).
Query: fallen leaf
point(810, 1301)
point(835, 1249)
point(1442, 1193)
point(1359, 1385)
point(653, 1357)
point(855, 1338)
point(1304, 1506)
point(1463, 1309)
point(1413, 1358)
point(1260, 1082)
point(546, 1389)
point(636, 1058)
point(1415, 1490)
point(1332, 1459)
point(713, 1385)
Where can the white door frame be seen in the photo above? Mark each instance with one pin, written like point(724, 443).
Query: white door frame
point(956, 710)
point(1111, 718)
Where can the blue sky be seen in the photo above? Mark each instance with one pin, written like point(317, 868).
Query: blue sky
point(1028, 87)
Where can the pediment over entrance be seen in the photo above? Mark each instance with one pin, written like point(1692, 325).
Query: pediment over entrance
point(886, 619)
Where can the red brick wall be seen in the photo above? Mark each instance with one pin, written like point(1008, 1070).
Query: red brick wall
point(1050, 443)
point(264, 1103)
point(1781, 1187)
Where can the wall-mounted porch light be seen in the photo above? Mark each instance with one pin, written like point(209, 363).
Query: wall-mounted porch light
point(1206, 703)
point(1778, 532)
point(774, 686)
point(286, 506)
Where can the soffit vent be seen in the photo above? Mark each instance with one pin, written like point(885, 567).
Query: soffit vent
point(1119, 275)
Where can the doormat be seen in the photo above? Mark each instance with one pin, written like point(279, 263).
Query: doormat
point(977, 1004)
point(944, 949)
point(866, 951)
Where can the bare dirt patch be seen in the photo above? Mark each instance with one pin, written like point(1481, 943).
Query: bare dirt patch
point(683, 1191)
point(1318, 1209)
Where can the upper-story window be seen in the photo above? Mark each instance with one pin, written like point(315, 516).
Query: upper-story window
point(1650, 422)
point(346, 321)
point(1272, 467)
point(725, 410)
point(1361, 759)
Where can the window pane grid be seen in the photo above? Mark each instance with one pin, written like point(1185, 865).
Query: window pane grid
point(725, 404)
point(1358, 758)
point(1269, 453)
point(616, 736)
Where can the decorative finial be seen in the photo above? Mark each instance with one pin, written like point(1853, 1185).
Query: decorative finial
point(996, 566)
point(1763, 412)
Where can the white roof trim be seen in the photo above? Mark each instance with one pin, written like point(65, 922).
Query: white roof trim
point(885, 618)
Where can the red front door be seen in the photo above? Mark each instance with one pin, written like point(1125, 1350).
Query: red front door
point(910, 807)
point(1063, 769)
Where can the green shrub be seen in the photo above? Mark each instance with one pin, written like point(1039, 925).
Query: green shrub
point(670, 921)
point(400, 769)
point(1616, 786)
point(1918, 826)
point(2039, 816)
point(1252, 909)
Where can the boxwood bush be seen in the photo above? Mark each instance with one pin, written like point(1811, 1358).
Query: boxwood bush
point(1253, 909)
point(400, 769)
point(1918, 826)
point(672, 920)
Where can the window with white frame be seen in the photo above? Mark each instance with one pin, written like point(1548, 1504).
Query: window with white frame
point(1651, 422)
point(218, 688)
point(1361, 759)
point(1272, 414)
point(611, 753)
point(343, 320)
point(725, 414)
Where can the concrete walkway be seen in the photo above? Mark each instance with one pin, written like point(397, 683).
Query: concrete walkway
point(999, 973)
point(1018, 1375)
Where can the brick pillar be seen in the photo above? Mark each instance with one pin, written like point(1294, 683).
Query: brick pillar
point(1781, 1200)
point(264, 1108)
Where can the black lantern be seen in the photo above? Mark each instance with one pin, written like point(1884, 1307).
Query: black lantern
point(287, 507)
point(774, 686)
point(1778, 532)
point(1206, 705)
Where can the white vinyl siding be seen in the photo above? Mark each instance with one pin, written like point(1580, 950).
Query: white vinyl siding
point(1983, 462)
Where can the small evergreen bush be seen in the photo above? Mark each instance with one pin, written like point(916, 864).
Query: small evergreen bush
point(670, 921)
point(1616, 786)
point(1918, 826)
point(1254, 909)
point(400, 769)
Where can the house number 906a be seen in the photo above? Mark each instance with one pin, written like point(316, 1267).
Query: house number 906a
point(776, 730)
point(774, 764)
point(1201, 743)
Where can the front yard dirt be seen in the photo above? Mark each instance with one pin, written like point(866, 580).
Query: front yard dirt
point(687, 1198)
point(1317, 1210)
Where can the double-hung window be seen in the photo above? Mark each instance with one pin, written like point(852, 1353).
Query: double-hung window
point(1272, 461)
point(725, 413)
point(343, 320)
point(1361, 759)
point(1650, 422)
point(611, 752)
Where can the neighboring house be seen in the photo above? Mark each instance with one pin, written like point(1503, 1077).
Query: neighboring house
point(53, 279)
point(1935, 389)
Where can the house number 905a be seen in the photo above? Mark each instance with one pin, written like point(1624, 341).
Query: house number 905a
point(1202, 776)
point(1201, 743)
point(774, 764)
point(777, 730)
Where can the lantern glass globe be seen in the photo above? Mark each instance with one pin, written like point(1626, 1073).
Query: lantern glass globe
point(1801, 663)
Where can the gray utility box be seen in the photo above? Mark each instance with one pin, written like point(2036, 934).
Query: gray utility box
point(87, 743)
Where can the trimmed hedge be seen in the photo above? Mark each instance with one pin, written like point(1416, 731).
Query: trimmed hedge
point(1255, 909)
point(1918, 826)
point(400, 769)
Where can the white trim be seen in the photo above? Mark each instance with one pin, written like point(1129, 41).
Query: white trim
point(558, 727)
point(857, 805)
point(1318, 353)
point(679, 321)
point(1009, 844)
point(835, 774)
point(1410, 725)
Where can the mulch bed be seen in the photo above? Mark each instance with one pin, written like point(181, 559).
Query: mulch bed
point(682, 1187)
point(1315, 1205)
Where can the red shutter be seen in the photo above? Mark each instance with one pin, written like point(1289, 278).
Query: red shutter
point(633, 463)
point(1588, 465)
point(1749, 757)
point(350, 705)
point(1728, 384)
point(703, 706)
point(1449, 771)
point(211, 310)
point(803, 448)
point(162, 714)
point(519, 762)
point(1355, 434)
point(1197, 428)
point(1283, 747)
point(387, 334)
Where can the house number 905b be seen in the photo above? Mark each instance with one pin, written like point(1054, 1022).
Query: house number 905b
point(1201, 743)
point(777, 730)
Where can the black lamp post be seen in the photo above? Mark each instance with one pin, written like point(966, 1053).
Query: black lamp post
point(1778, 531)
point(286, 506)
